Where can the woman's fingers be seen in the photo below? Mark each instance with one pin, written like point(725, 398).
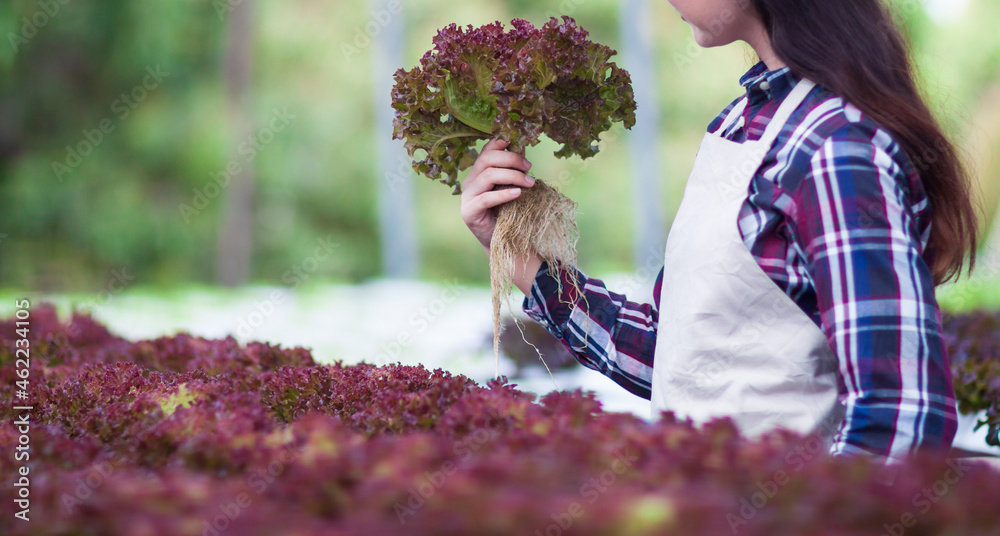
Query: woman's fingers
point(502, 158)
point(493, 156)
point(488, 200)
point(493, 176)
point(496, 144)
point(495, 166)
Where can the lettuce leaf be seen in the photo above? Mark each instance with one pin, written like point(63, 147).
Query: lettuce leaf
point(517, 84)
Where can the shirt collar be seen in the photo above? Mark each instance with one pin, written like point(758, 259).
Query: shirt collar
point(768, 85)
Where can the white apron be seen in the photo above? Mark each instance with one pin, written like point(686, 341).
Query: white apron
point(730, 343)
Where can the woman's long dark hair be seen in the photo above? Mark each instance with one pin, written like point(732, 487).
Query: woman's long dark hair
point(855, 49)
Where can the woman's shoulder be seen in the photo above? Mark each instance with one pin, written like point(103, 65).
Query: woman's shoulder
point(827, 121)
point(825, 118)
point(831, 139)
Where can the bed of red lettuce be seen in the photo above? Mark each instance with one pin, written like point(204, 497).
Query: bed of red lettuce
point(973, 341)
point(517, 84)
point(187, 436)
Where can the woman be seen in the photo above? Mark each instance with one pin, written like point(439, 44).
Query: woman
point(797, 292)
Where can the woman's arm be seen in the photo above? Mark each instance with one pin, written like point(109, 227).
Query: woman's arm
point(618, 338)
point(858, 221)
point(603, 330)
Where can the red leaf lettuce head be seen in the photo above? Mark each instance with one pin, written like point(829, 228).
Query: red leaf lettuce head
point(481, 83)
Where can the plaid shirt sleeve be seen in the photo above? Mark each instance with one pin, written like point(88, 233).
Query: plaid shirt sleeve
point(603, 330)
point(855, 216)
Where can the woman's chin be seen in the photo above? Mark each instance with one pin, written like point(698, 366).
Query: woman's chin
point(704, 39)
point(707, 39)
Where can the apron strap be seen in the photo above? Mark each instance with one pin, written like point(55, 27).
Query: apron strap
point(785, 111)
point(733, 116)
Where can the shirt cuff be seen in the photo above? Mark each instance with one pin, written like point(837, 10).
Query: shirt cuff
point(847, 450)
point(545, 305)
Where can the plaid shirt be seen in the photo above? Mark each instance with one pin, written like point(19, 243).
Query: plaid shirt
point(837, 217)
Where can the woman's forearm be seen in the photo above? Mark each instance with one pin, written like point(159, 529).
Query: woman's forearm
point(525, 270)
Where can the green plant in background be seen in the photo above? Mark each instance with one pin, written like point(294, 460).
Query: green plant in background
point(119, 206)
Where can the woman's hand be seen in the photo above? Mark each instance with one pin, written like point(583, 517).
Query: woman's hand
point(495, 166)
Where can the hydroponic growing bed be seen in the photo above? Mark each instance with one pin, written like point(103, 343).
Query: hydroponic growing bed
point(184, 435)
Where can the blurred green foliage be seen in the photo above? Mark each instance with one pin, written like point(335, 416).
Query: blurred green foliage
point(119, 206)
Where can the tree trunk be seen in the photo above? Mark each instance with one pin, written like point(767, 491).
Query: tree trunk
point(397, 227)
point(235, 243)
point(647, 202)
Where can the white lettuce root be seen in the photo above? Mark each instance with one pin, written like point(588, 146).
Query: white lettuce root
point(540, 220)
